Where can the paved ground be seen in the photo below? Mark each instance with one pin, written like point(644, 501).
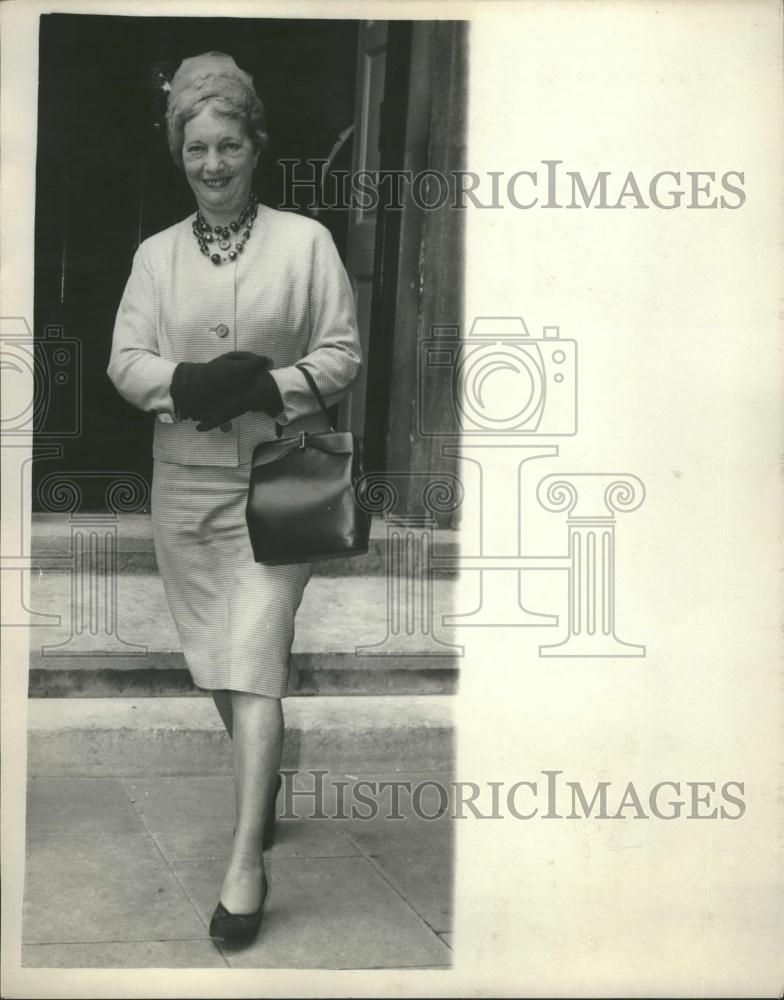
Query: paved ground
point(124, 872)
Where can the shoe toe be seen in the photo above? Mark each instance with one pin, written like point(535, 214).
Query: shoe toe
point(237, 927)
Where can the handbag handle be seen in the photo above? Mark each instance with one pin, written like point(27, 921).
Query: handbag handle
point(316, 392)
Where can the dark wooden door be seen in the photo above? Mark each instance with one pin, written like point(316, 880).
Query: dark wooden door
point(105, 181)
point(361, 237)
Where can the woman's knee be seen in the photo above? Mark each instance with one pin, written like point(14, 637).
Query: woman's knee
point(248, 701)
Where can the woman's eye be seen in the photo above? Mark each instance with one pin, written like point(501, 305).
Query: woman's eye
point(232, 146)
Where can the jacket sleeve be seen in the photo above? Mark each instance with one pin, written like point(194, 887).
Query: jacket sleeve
point(136, 368)
point(334, 356)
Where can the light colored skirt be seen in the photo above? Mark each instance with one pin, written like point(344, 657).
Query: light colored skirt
point(234, 617)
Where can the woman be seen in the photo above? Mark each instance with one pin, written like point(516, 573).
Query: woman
point(217, 311)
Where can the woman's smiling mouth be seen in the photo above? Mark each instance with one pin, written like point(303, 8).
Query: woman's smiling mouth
point(217, 183)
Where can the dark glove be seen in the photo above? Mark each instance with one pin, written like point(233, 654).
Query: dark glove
point(226, 387)
point(197, 387)
point(261, 394)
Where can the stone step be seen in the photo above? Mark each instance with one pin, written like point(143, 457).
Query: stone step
point(50, 545)
point(103, 737)
point(126, 644)
point(164, 673)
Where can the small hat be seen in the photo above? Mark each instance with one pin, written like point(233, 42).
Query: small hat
point(197, 70)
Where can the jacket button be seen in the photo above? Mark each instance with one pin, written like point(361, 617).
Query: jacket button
point(222, 330)
point(226, 427)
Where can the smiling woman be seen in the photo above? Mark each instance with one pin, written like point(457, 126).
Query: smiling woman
point(216, 134)
point(219, 159)
point(215, 318)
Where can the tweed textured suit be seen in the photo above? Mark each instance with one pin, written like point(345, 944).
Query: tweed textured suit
point(287, 296)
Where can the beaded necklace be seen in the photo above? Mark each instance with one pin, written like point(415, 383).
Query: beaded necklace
point(211, 238)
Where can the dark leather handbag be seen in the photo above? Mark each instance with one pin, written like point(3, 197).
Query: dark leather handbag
point(303, 504)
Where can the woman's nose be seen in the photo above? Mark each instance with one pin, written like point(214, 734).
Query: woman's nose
point(214, 162)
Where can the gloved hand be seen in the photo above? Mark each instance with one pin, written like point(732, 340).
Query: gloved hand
point(261, 394)
point(215, 391)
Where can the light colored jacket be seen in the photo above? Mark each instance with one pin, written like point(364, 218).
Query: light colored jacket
point(286, 296)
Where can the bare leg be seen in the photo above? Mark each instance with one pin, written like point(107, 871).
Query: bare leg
point(222, 701)
point(258, 742)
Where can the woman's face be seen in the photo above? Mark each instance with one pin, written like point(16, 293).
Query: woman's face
point(218, 157)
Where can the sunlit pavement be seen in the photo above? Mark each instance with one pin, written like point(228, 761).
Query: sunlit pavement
point(125, 872)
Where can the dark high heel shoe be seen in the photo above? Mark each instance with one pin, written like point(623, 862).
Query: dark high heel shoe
point(237, 928)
